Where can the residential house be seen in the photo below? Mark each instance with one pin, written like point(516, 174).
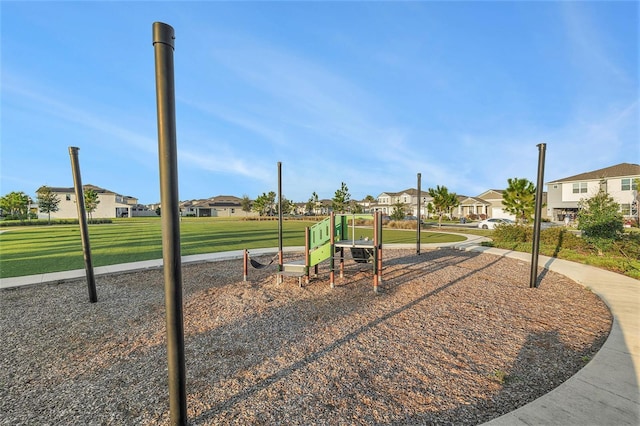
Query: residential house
point(618, 181)
point(489, 205)
point(408, 197)
point(218, 206)
point(474, 207)
point(111, 204)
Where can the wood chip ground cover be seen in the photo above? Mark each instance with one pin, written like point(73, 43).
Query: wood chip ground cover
point(452, 338)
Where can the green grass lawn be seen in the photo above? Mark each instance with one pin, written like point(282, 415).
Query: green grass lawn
point(42, 249)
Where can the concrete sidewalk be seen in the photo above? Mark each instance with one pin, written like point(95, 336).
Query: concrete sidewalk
point(472, 240)
point(604, 392)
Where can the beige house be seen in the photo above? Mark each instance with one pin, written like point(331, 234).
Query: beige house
point(111, 204)
point(473, 207)
point(408, 197)
point(494, 207)
point(489, 205)
point(486, 205)
point(218, 206)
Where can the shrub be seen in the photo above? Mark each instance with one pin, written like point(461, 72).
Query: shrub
point(402, 224)
point(512, 234)
point(600, 220)
point(40, 222)
point(628, 245)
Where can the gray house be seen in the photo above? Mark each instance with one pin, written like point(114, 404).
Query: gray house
point(618, 181)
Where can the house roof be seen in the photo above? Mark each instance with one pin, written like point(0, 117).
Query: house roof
point(472, 200)
point(410, 191)
point(485, 194)
point(85, 187)
point(97, 189)
point(619, 170)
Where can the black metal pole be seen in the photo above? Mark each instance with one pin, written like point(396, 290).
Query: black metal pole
point(280, 256)
point(418, 224)
point(533, 281)
point(163, 44)
point(82, 220)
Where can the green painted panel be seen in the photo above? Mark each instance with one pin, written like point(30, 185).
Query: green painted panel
point(319, 233)
point(320, 254)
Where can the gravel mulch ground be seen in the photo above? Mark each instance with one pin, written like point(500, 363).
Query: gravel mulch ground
point(453, 338)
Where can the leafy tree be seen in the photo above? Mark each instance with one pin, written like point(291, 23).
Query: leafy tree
point(341, 199)
point(600, 220)
point(265, 204)
point(370, 199)
point(519, 199)
point(48, 201)
point(398, 212)
point(260, 204)
point(443, 201)
point(90, 201)
point(246, 204)
point(288, 206)
point(312, 204)
point(355, 207)
point(16, 204)
point(430, 209)
point(158, 211)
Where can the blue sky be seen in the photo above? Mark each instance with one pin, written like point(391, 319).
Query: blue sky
point(366, 93)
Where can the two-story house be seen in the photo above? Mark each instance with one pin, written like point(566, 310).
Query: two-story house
point(618, 181)
point(408, 197)
point(111, 204)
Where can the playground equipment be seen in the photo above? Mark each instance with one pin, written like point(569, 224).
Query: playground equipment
point(328, 240)
point(363, 250)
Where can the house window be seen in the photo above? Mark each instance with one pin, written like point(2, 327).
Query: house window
point(68, 197)
point(580, 188)
point(628, 184)
point(625, 209)
point(233, 211)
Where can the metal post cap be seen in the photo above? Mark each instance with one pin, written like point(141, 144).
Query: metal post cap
point(163, 33)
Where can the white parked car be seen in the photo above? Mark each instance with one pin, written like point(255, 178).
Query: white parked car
point(493, 222)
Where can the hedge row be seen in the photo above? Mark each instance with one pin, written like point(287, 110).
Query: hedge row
point(43, 222)
point(561, 238)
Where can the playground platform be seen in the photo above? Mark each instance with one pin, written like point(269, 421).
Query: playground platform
point(604, 392)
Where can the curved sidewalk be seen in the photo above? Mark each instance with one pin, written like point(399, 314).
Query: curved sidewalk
point(604, 392)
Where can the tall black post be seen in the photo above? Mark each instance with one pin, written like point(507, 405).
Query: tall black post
point(280, 255)
point(533, 281)
point(418, 225)
point(163, 44)
point(82, 220)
